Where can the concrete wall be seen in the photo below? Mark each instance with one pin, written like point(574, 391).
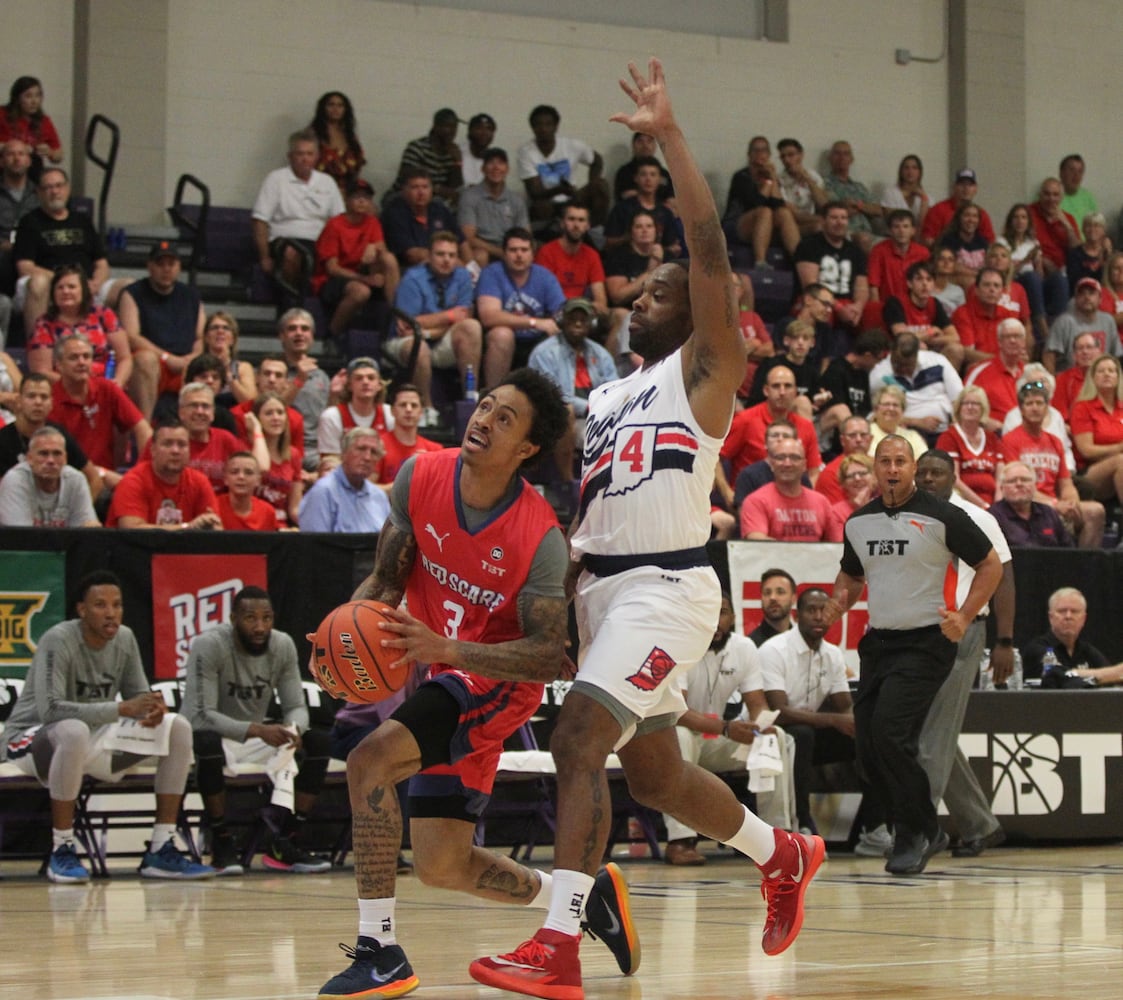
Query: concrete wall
point(214, 86)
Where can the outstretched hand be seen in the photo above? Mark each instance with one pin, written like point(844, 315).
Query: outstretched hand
point(653, 114)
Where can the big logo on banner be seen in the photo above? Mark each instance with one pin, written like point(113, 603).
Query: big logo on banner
point(813, 564)
point(32, 599)
point(191, 594)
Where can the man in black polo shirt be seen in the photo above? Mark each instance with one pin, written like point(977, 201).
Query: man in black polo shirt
point(163, 319)
point(904, 544)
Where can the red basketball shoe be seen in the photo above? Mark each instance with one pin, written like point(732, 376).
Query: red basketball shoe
point(786, 877)
point(546, 966)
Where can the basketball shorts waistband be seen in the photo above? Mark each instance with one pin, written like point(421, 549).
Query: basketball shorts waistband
point(676, 559)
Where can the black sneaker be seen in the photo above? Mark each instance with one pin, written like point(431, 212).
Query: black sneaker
point(285, 856)
point(376, 971)
point(608, 918)
point(226, 859)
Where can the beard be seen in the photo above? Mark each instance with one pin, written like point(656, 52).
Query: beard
point(248, 643)
point(719, 642)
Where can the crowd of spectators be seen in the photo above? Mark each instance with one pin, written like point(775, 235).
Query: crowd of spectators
point(911, 314)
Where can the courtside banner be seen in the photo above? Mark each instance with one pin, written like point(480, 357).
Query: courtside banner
point(191, 594)
point(813, 564)
point(32, 599)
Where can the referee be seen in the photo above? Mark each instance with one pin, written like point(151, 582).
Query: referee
point(905, 544)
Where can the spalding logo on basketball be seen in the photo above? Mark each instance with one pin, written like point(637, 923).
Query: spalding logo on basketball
point(348, 660)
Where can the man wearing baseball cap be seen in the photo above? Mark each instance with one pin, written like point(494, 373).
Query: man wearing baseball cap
point(487, 210)
point(481, 137)
point(577, 364)
point(939, 216)
point(163, 319)
point(438, 153)
point(353, 266)
point(1083, 316)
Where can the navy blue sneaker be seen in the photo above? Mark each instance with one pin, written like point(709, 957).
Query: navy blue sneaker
point(171, 862)
point(376, 971)
point(608, 918)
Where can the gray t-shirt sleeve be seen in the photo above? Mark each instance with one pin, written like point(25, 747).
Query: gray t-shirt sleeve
point(58, 659)
point(15, 498)
point(201, 691)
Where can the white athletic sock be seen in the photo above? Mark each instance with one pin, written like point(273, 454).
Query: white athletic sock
point(60, 837)
point(545, 894)
point(755, 839)
point(161, 834)
point(567, 905)
point(376, 919)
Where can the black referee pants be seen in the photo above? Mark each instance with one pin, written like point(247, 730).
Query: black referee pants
point(902, 670)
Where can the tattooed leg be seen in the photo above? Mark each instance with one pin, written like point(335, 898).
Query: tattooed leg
point(444, 856)
point(375, 766)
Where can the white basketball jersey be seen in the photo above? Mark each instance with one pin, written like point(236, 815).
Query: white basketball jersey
point(648, 467)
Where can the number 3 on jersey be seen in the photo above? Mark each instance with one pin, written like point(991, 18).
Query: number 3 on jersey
point(632, 457)
point(455, 617)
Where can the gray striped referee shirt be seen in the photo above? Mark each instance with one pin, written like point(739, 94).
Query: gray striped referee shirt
point(908, 557)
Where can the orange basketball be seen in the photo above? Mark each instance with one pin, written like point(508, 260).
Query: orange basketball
point(348, 660)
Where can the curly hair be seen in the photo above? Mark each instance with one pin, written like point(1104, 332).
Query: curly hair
point(551, 415)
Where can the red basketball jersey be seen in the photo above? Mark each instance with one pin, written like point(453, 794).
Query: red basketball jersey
point(466, 584)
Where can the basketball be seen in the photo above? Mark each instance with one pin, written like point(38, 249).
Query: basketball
point(348, 661)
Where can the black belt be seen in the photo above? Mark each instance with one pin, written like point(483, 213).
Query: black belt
point(677, 559)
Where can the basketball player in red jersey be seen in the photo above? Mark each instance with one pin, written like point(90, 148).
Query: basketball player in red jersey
point(647, 597)
point(479, 557)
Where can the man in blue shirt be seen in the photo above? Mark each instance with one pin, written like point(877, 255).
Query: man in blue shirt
point(515, 298)
point(576, 365)
point(438, 294)
point(345, 500)
point(409, 219)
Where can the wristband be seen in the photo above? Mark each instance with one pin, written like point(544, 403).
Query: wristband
point(1005, 641)
point(725, 729)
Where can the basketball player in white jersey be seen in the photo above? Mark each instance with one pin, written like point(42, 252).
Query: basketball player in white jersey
point(647, 596)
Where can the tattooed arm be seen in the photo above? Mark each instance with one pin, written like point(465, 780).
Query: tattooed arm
point(714, 356)
point(393, 560)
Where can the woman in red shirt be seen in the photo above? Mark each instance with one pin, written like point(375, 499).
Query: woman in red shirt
point(271, 442)
point(1097, 427)
point(24, 119)
point(72, 311)
point(977, 452)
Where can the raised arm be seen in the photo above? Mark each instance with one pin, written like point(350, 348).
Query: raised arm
point(714, 357)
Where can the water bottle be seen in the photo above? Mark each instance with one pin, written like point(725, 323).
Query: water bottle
point(471, 393)
point(1051, 669)
point(986, 678)
point(1016, 681)
point(111, 364)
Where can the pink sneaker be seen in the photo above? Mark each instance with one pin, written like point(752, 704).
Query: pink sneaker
point(786, 876)
point(546, 966)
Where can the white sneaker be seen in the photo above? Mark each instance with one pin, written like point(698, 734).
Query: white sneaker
point(876, 843)
point(430, 417)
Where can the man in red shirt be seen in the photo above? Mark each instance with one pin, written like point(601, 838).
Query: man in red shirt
point(1085, 349)
point(854, 434)
point(1056, 231)
point(998, 377)
point(211, 446)
point(890, 259)
point(1044, 453)
point(352, 261)
point(744, 444)
point(919, 311)
point(940, 215)
point(272, 376)
point(578, 268)
point(403, 440)
point(977, 320)
point(164, 492)
point(91, 409)
point(783, 510)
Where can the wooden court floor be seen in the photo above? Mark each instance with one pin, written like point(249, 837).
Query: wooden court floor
point(1022, 923)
